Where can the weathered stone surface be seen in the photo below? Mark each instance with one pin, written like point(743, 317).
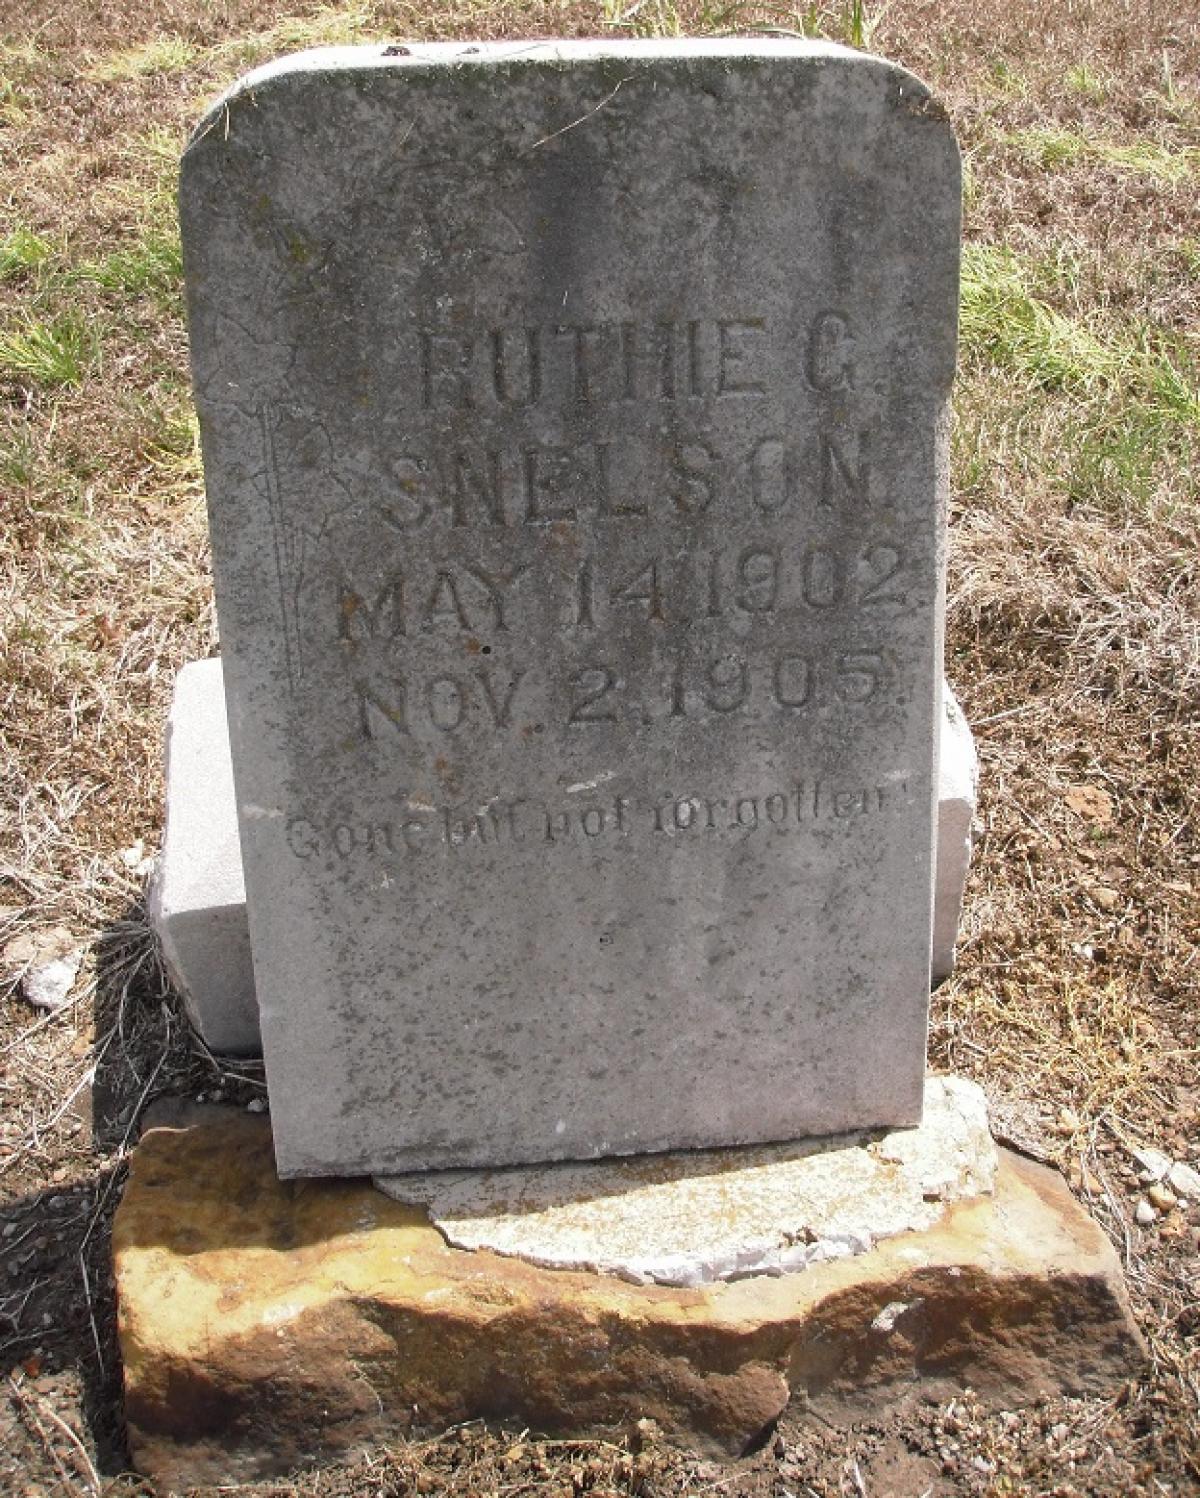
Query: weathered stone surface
point(264, 1324)
point(704, 1216)
point(574, 423)
point(197, 894)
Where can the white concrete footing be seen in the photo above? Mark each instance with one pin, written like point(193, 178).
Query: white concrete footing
point(197, 892)
point(698, 1217)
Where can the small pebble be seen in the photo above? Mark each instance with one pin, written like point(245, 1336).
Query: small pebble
point(256, 1105)
point(49, 985)
point(1153, 1162)
point(1161, 1197)
point(1145, 1213)
point(1068, 1120)
point(1183, 1180)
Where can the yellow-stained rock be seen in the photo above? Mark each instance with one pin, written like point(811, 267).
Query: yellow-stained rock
point(265, 1324)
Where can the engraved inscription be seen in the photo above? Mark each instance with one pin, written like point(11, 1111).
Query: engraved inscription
point(446, 702)
point(466, 599)
point(486, 485)
point(510, 822)
point(385, 594)
point(754, 580)
point(769, 684)
point(592, 364)
point(831, 353)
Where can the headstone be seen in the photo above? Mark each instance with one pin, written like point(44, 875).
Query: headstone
point(575, 423)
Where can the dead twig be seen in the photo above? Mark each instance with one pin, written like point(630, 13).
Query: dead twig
point(27, 1406)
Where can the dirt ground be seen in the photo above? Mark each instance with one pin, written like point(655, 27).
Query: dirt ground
point(1073, 642)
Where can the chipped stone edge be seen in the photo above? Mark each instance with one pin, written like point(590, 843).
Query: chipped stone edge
point(766, 1257)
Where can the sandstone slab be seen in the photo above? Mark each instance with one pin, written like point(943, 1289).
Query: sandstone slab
point(267, 1324)
point(198, 893)
point(705, 1216)
point(575, 436)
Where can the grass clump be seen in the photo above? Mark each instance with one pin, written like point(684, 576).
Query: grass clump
point(163, 55)
point(21, 63)
point(658, 18)
point(1007, 80)
point(146, 189)
point(1058, 147)
point(861, 25)
point(51, 352)
point(152, 265)
point(331, 26)
point(20, 459)
point(14, 111)
point(21, 252)
point(1086, 82)
point(848, 21)
point(1107, 409)
point(1003, 320)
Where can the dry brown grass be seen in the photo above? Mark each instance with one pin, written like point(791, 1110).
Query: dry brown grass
point(1074, 641)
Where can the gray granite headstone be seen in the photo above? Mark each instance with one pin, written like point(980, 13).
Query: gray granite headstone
point(575, 427)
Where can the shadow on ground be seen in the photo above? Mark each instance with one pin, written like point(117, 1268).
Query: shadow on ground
point(58, 1334)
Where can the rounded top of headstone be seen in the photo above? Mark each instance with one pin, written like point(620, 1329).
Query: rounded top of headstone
point(529, 55)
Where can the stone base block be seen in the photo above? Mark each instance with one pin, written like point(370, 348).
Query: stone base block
point(197, 892)
point(265, 1325)
point(198, 897)
point(958, 796)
